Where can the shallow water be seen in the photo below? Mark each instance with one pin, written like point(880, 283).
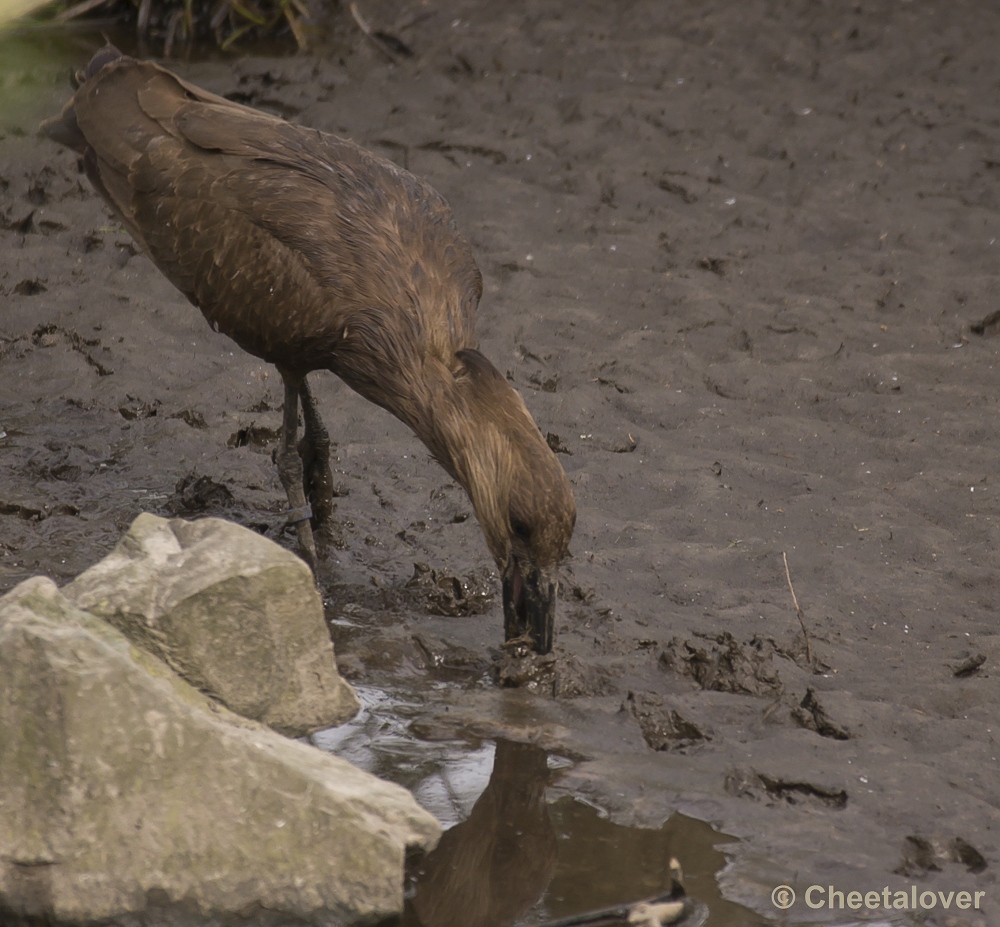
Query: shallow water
point(518, 849)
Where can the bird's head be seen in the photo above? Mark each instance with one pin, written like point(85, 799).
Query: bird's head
point(541, 513)
point(522, 498)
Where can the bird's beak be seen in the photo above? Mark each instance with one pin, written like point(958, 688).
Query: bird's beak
point(529, 603)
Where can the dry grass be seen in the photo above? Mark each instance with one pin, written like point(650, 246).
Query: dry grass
point(177, 23)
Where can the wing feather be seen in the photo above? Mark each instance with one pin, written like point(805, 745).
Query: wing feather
point(279, 234)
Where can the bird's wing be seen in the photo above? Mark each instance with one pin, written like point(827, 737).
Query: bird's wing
point(279, 234)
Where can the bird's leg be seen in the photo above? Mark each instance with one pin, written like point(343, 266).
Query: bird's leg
point(314, 449)
point(290, 472)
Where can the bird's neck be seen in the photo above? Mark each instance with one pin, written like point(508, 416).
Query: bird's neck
point(464, 429)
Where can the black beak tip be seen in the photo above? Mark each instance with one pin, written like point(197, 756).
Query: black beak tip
point(529, 606)
point(543, 639)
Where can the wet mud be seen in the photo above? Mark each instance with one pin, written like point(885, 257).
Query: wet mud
point(741, 261)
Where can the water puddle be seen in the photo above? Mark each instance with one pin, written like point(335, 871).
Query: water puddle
point(517, 849)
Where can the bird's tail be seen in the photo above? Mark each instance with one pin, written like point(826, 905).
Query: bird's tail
point(64, 128)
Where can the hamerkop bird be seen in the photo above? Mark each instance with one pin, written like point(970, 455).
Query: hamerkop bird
point(314, 254)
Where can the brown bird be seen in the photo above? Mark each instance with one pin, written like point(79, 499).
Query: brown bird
point(315, 254)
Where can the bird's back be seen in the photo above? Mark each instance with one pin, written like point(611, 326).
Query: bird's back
point(307, 250)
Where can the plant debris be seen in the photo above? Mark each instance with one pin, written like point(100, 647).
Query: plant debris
point(173, 24)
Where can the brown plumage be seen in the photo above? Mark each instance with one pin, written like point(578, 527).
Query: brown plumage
point(312, 253)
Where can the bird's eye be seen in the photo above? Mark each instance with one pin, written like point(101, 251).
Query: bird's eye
point(520, 529)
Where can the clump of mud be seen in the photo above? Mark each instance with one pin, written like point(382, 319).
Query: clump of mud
point(198, 495)
point(723, 664)
point(516, 665)
point(441, 593)
point(811, 715)
point(663, 728)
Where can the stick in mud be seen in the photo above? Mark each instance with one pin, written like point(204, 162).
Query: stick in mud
point(372, 35)
point(798, 610)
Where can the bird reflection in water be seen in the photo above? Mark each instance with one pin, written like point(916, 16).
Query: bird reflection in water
point(489, 870)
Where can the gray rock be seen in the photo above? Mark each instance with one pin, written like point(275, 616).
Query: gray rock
point(127, 795)
point(233, 613)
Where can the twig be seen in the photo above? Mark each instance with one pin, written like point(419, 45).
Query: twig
point(295, 24)
point(371, 36)
point(798, 611)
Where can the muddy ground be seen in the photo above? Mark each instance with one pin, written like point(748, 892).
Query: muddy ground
point(741, 260)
